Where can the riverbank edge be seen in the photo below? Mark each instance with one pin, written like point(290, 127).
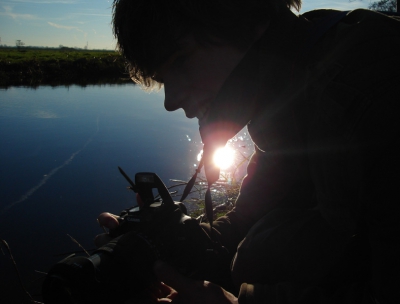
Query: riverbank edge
point(55, 67)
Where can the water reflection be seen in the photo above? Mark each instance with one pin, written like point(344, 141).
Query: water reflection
point(235, 154)
point(47, 176)
point(241, 148)
point(60, 148)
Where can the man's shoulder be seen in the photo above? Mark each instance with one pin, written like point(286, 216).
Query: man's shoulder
point(353, 15)
point(357, 32)
point(364, 21)
point(318, 14)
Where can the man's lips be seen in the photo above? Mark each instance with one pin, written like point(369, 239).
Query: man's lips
point(200, 113)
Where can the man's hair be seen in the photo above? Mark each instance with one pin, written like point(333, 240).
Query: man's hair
point(147, 30)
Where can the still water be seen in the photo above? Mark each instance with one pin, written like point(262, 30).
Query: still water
point(59, 152)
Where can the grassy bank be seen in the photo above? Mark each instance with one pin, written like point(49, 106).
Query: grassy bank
point(64, 66)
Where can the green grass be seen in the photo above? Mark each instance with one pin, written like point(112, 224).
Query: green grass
point(15, 56)
point(32, 66)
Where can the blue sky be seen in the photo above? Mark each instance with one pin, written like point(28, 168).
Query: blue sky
point(75, 23)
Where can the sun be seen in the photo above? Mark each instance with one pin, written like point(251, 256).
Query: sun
point(224, 157)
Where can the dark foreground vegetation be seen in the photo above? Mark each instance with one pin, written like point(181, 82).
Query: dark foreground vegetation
point(64, 66)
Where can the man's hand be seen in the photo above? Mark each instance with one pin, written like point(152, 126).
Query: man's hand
point(173, 287)
point(109, 221)
point(178, 289)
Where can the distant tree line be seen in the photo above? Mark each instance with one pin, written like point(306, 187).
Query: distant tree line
point(384, 6)
point(19, 44)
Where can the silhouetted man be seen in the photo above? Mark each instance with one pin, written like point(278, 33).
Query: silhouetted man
point(317, 218)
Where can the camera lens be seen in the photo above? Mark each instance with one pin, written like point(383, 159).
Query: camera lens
point(63, 284)
point(60, 291)
point(115, 272)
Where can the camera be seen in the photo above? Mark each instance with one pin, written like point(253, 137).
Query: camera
point(158, 229)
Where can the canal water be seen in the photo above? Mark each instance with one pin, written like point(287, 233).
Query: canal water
point(59, 152)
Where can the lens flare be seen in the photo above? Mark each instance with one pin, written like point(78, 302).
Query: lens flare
point(200, 155)
point(224, 157)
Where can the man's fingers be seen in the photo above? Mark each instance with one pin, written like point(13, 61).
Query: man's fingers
point(161, 293)
point(108, 220)
point(171, 277)
point(102, 239)
point(165, 289)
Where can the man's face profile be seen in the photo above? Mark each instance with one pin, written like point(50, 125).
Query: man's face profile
point(193, 76)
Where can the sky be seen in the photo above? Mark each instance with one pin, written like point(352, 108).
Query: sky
point(80, 23)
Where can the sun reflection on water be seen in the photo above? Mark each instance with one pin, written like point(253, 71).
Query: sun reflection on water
point(233, 158)
point(224, 157)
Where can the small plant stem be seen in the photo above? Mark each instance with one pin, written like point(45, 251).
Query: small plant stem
point(75, 241)
point(5, 244)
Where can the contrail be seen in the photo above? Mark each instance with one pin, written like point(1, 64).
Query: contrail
point(50, 174)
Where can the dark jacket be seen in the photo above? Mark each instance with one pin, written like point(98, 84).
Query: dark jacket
point(322, 184)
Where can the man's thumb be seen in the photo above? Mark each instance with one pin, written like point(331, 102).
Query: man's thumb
point(168, 275)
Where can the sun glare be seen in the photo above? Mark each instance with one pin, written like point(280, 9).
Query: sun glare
point(223, 157)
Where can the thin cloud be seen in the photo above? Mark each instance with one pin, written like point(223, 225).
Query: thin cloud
point(8, 11)
point(93, 14)
point(47, 1)
point(64, 27)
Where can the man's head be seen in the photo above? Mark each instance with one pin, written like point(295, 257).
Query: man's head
point(148, 31)
point(192, 47)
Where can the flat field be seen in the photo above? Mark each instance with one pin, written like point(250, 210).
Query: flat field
point(64, 66)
